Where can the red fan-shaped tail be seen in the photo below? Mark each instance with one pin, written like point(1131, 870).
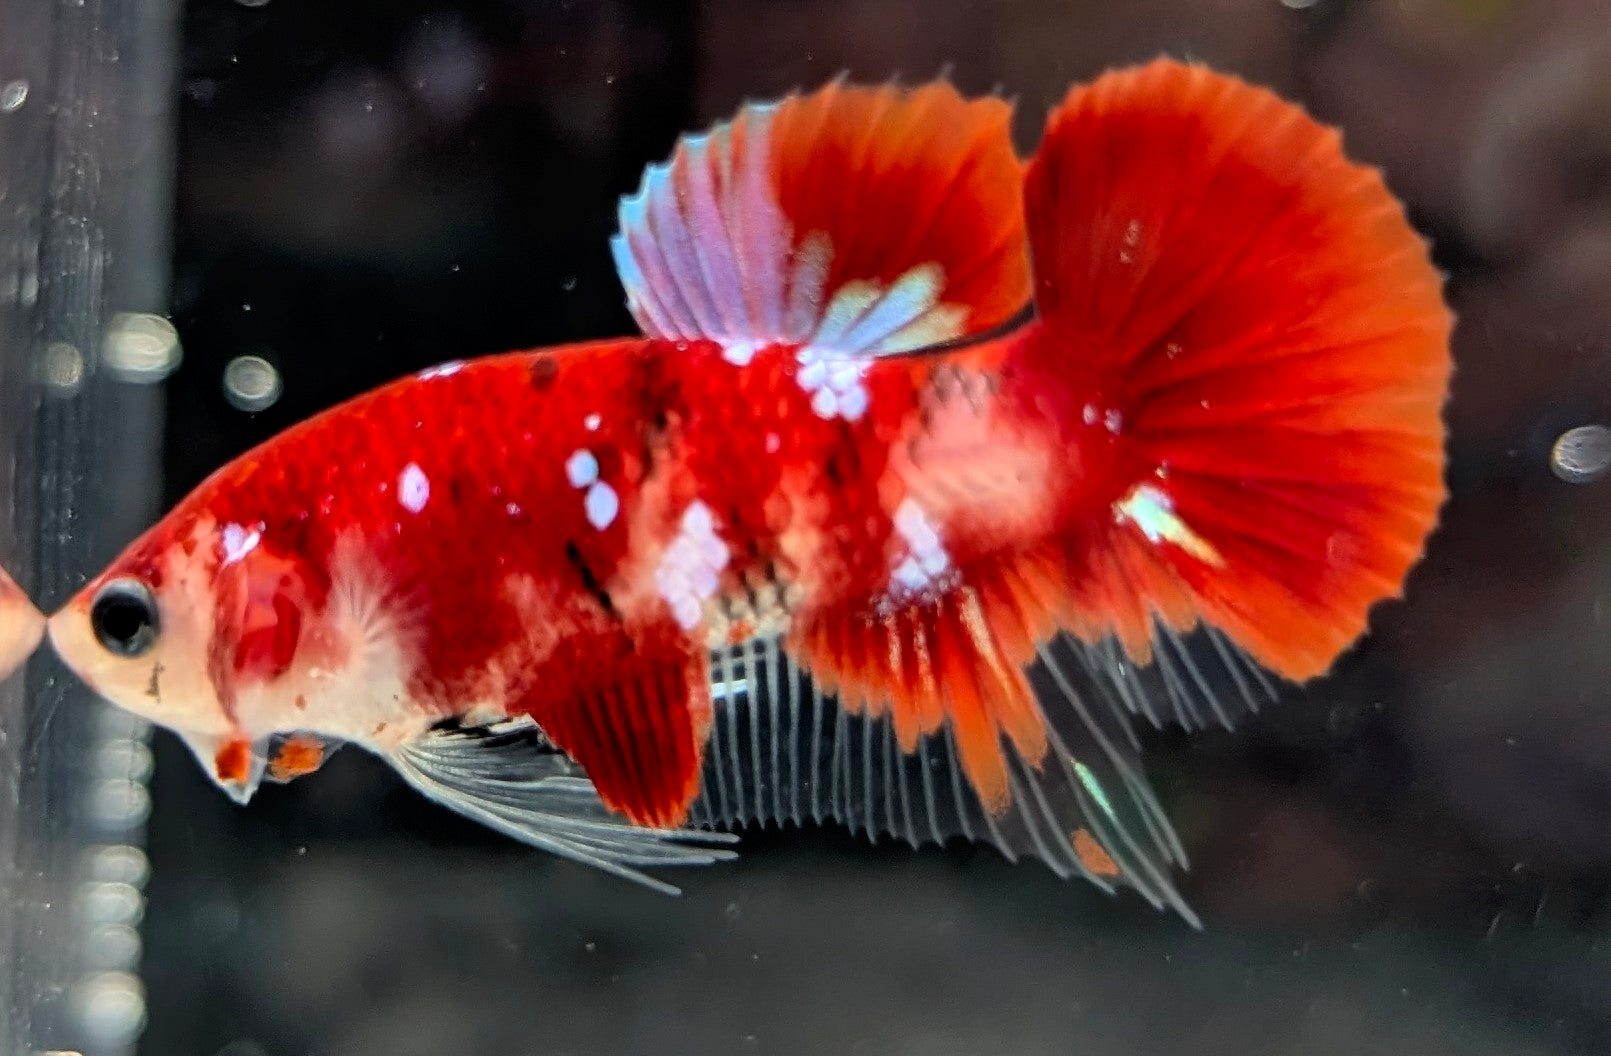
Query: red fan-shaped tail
point(1268, 353)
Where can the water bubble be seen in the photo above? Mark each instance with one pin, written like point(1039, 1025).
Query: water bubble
point(109, 1007)
point(112, 946)
point(251, 383)
point(119, 863)
point(109, 902)
point(12, 96)
point(1581, 455)
point(140, 347)
point(119, 803)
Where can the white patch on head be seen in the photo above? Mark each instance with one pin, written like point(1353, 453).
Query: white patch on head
point(592, 423)
point(444, 370)
point(601, 504)
point(834, 381)
point(512, 509)
point(360, 691)
point(1151, 510)
point(690, 568)
point(924, 561)
point(1113, 421)
point(582, 468)
point(238, 542)
point(773, 443)
point(413, 488)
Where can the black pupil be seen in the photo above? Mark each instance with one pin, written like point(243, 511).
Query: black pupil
point(125, 620)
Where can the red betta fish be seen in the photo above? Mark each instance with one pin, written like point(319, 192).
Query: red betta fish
point(850, 534)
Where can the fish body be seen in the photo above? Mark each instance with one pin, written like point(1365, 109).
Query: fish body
point(848, 534)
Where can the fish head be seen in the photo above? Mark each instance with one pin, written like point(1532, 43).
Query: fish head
point(184, 629)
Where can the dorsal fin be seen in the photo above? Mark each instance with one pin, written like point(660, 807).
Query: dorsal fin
point(858, 220)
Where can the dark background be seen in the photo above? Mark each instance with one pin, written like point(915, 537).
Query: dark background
point(1410, 856)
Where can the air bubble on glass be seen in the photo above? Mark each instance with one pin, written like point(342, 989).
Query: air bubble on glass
point(12, 96)
point(141, 348)
point(109, 1007)
point(61, 369)
point(1582, 454)
point(251, 383)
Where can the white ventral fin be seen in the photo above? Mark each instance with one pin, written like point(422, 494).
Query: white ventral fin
point(507, 777)
point(855, 220)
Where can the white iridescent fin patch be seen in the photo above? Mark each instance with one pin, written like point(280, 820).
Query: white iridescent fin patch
point(507, 778)
point(1151, 510)
point(705, 251)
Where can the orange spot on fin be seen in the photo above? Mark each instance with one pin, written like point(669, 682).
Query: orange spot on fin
point(233, 761)
point(296, 756)
point(1269, 343)
point(859, 219)
point(635, 715)
point(1094, 856)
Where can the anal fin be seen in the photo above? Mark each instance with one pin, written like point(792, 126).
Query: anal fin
point(634, 714)
point(964, 715)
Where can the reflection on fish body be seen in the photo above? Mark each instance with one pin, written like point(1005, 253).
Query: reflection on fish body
point(21, 626)
point(835, 539)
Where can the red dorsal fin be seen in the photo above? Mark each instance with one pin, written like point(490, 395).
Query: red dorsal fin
point(634, 714)
point(1271, 348)
point(868, 220)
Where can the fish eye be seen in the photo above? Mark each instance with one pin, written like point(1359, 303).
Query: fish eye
point(124, 615)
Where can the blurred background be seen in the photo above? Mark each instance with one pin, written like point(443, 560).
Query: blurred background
point(1410, 856)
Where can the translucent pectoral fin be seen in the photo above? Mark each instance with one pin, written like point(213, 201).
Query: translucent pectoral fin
point(508, 777)
point(235, 764)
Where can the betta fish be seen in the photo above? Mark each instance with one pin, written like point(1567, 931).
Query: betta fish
point(933, 474)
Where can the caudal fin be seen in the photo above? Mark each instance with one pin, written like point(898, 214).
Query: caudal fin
point(1261, 348)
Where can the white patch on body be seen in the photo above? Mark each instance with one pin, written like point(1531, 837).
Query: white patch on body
point(582, 468)
point(690, 568)
point(925, 560)
point(359, 691)
point(592, 422)
point(834, 382)
point(1151, 510)
point(238, 542)
point(413, 488)
point(739, 353)
point(601, 504)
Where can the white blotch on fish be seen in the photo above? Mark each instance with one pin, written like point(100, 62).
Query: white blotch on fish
point(691, 567)
point(238, 542)
point(834, 382)
point(601, 504)
point(582, 468)
point(413, 488)
point(925, 560)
